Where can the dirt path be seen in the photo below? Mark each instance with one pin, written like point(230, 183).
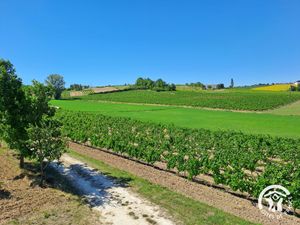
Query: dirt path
point(113, 200)
point(227, 202)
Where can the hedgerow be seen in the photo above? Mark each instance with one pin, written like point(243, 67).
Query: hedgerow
point(244, 162)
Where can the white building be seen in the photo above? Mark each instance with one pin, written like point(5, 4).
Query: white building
point(297, 83)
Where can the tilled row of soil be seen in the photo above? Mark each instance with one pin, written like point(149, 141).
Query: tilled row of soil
point(217, 198)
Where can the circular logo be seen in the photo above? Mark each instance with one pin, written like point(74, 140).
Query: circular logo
point(275, 197)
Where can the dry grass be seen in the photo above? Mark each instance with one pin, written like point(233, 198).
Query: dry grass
point(23, 202)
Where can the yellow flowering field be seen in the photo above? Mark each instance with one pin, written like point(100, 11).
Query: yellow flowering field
point(276, 87)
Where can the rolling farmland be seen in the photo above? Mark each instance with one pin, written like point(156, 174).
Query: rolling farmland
point(229, 146)
point(244, 100)
point(150, 113)
point(232, 158)
point(275, 87)
point(255, 123)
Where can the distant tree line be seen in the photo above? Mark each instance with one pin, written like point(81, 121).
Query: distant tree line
point(254, 85)
point(197, 84)
point(78, 87)
point(158, 85)
point(203, 86)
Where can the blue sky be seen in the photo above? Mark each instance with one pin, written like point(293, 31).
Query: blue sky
point(99, 42)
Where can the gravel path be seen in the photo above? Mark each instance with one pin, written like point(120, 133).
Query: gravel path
point(116, 203)
point(225, 201)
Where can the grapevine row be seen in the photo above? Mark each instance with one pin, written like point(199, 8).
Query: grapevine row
point(244, 162)
point(224, 100)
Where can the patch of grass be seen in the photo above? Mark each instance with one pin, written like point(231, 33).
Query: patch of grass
point(182, 208)
point(292, 109)
point(251, 123)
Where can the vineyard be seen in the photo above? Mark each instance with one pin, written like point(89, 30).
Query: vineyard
point(246, 163)
point(252, 123)
point(224, 100)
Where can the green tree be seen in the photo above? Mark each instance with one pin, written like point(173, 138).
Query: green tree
point(149, 83)
point(76, 87)
point(293, 88)
point(220, 86)
point(160, 84)
point(46, 142)
point(231, 83)
point(140, 82)
point(38, 96)
point(14, 110)
point(57, 82)
point(172, 87)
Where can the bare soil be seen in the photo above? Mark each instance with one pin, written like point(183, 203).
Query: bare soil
point(104, 89)
point(227, 202)
point(94, 90)
point(22, 201)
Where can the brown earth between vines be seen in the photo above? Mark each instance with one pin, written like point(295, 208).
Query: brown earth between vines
point(225, 201)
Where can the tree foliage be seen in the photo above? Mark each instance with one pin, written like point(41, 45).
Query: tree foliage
point(231, 83)
point(78, 87)
point(39, 96)
point(158, 85)
point(57, 82)
point(27, 118)
point(45, 142)
point(197, 84)
point(220, 86)
point(14, 110)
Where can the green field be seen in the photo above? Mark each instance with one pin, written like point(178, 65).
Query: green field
point(255, 123)
point(235, 100)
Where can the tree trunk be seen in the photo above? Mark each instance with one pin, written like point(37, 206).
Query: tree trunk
point(42, 174)
point(21, 161)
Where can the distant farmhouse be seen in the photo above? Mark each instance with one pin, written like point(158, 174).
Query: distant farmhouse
point(211, 86)
point(297, 83)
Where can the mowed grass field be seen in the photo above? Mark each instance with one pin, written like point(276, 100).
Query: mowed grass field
point(224, 99)
point(255, 123)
